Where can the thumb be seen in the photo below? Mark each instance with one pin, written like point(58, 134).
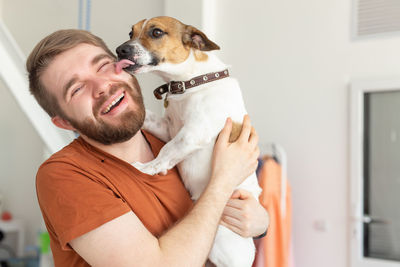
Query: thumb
point(240, 194)
point(235, 194)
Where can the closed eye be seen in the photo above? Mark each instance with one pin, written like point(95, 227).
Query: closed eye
point(103, 65)
point(76, 90)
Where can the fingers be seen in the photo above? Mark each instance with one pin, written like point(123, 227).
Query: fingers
point(246, 129)
point(249, 134)
point(253, 139)
point(234, 203)
point(233, 211)
point(223, 136)
point(255, 164)
point(236, 226)
point(231, 221)
point(256, 154)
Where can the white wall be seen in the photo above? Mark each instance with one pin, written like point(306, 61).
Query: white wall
point(37, 19)
point(20, 156)
point(188, 11)
point(294, 61)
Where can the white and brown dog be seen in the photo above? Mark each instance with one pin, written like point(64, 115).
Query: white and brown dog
point(196, 110)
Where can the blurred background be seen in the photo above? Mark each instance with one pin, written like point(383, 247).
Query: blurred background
point(296, 62)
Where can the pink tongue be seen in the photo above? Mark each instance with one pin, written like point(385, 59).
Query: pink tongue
point(123, 64)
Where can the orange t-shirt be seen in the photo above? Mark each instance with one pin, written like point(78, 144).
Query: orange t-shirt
point(81, 187)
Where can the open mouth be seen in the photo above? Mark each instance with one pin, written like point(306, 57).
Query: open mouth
point(113, 104)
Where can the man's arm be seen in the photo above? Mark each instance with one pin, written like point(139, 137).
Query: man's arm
point(124, 241)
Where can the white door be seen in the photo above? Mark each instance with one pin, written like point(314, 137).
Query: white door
point(375, 175)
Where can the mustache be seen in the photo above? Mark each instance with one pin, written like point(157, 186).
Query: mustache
point(112, 90)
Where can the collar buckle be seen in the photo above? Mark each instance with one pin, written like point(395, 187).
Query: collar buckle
point(176, 87)
point(169, 87)
point(181, 86)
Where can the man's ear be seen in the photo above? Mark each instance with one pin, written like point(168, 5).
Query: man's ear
point(62, 123)
point(197, 39)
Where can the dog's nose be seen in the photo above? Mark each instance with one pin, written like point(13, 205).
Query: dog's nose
point(124, 51)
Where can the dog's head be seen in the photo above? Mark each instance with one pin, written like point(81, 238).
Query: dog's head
point(162, 40)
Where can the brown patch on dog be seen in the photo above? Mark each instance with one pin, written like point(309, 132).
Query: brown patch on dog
point(175, 45)
point(137, 28)
point(169, 47)
point(236, 130)
point(200, 56)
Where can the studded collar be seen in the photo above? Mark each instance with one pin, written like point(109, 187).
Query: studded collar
point(179, 87)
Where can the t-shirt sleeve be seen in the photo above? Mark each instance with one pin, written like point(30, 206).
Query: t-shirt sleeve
point(75, 202)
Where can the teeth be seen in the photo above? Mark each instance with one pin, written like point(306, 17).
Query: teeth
point(113, 103)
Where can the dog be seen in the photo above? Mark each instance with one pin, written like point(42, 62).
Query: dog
point(200, 95)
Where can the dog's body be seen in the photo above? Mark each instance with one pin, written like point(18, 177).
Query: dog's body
point(192, 119)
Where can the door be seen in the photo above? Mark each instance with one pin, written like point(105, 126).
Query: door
point(375, 177)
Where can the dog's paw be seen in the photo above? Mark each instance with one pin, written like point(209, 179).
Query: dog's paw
point(145, 168)
point(151, 168)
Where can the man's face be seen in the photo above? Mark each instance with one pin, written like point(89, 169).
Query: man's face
point(97, 102)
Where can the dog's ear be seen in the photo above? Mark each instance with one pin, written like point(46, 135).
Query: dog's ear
point(197, 39)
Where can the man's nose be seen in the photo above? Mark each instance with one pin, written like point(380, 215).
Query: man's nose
point(100, 87)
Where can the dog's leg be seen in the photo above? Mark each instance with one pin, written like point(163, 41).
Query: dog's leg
point(189, 139)
point(156, 125)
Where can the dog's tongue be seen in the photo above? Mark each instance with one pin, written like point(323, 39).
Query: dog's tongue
point(123, 63)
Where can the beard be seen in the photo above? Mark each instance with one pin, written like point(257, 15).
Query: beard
point(130, 121)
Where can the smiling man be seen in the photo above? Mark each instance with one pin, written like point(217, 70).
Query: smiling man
point(101, 97)
point(100, 210)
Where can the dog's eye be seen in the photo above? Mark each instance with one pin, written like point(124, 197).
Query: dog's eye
point(131, 34)
point(157, 33)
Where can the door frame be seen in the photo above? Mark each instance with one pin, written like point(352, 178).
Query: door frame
point(356, 217)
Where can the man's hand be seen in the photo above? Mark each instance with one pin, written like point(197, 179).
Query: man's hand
point(244, 215)
point(234, 162)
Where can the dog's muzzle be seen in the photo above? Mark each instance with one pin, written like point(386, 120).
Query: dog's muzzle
point(124, 51)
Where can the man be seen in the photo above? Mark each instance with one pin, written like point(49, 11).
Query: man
point(101, 211)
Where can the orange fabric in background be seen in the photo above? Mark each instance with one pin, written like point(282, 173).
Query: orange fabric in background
point(274, 249)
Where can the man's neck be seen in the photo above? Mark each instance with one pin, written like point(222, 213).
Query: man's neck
point(135, 149)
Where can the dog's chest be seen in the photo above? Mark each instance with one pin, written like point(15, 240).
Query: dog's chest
point(178, 113)
point(208, 107)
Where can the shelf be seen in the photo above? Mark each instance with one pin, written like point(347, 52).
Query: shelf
point(15, 226)
point(11, 226)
